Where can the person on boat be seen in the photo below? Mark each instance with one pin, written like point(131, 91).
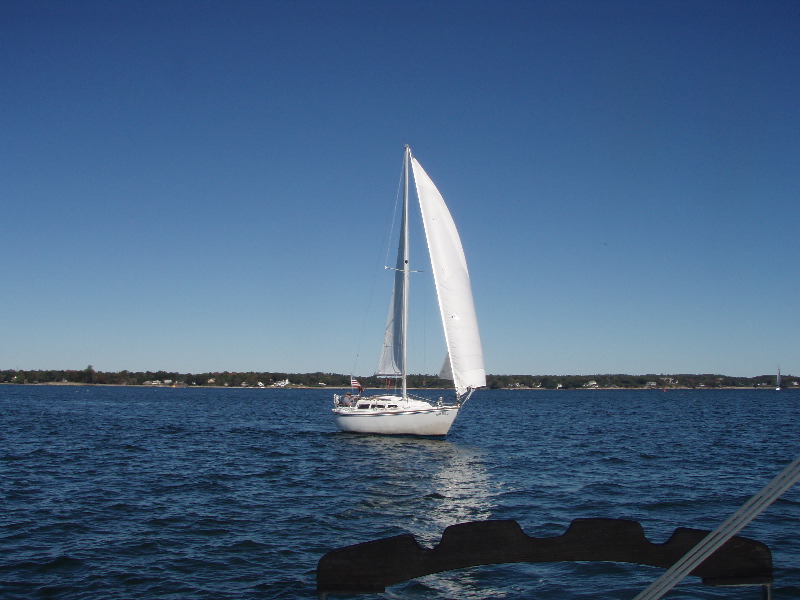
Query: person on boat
point(347, 400)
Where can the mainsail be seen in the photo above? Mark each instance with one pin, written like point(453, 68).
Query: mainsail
point(392, 356)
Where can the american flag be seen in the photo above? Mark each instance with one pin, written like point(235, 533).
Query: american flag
point(354, 382)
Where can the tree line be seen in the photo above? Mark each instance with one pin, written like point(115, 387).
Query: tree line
point(89, 376)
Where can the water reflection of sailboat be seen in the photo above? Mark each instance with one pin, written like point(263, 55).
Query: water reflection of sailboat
point(423, 485)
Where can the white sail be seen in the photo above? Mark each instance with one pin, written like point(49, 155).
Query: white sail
point(464, 363)
point(392, 356)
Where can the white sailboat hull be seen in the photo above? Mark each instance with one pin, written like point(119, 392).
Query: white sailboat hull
point(410, 417)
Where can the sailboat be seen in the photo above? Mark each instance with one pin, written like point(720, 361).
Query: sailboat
point(778, 381)
point(400, 413)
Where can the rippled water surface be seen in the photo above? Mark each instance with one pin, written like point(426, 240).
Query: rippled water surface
point(112, 492)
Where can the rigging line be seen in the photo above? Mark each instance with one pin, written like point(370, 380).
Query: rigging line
point(424, 333)
point(717, 538)
point(367, 312)
point(397, 200)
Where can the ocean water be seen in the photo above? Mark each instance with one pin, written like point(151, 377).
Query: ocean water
point(163, 493)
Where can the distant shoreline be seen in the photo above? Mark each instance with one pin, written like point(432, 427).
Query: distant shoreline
point(316, 380)
point(378, 390)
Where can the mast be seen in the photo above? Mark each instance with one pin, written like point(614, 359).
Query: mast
point(392, 364)
point(404, 234)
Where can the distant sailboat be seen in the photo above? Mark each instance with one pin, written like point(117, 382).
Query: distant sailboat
point(402, 414)
point(778, 381)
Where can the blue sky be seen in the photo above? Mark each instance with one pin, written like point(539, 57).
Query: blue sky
point(207, 186)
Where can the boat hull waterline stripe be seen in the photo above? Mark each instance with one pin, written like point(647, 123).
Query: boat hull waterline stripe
point(385, 413)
